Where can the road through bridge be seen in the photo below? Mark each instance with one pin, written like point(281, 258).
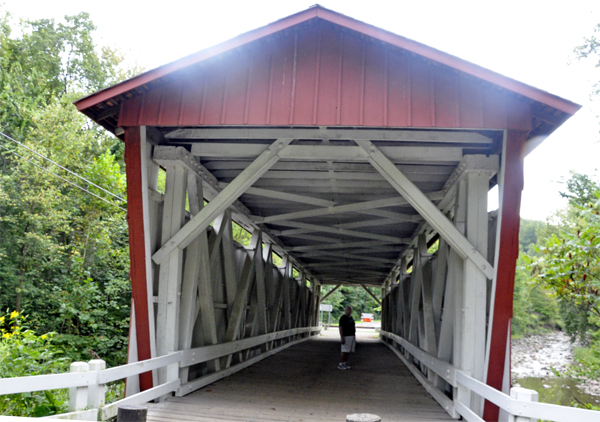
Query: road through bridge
point(302, 384)
point(353, 157)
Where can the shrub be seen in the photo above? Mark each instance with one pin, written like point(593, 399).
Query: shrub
point(24, 353)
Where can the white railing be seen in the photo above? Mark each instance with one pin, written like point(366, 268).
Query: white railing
point(87, 381)
point(518, 405)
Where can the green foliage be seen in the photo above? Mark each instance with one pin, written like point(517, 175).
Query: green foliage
point(529, 231)
point(568, 264)
point(534, 309)
point(64, 257)
point(240, 234)
point(589, 358)
point(22, 353)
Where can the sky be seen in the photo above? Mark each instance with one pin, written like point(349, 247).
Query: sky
point(528, 40)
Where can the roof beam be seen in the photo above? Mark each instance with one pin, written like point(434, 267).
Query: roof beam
point(307, 237)
point(379, 222)
point(343, 232)
point(358, 224)
point(303, 199)
point(216, 165)
point(109, 112)
point(408, 154)
point(329, 175)
point(331, 133)
point(346, 263)
point(327, 255)
point(222, 201)
point(341, 209)
point(358, 272)
point(344, 245)
point(426, 208)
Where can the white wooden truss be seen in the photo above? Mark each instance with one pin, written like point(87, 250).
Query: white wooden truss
point(349, 206)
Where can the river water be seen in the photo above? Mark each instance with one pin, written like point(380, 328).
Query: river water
point(563, 391)
point(533, 361)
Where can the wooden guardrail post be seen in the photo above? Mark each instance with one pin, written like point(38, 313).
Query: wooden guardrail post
point(523, 394)
point(96, 392)
point(128, 413)
point(78, 396)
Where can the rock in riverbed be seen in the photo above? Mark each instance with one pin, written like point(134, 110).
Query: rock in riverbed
point(533, 356)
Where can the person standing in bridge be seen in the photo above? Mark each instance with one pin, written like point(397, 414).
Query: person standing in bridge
point(348, 337)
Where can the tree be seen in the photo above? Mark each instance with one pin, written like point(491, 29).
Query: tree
point(64, 256)
point(570, 261)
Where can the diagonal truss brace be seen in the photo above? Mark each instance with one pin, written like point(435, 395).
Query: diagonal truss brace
point(233, 191)
point(425, 207)
point(375, 298)
point(332, 291)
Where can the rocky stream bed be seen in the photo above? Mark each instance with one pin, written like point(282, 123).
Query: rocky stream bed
point(533, 357)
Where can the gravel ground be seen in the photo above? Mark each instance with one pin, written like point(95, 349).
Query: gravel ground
point(533, 356)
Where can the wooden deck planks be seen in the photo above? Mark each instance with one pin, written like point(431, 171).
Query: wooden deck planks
point(302, 384)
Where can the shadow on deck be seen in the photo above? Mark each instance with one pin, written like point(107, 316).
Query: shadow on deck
point(303, 384)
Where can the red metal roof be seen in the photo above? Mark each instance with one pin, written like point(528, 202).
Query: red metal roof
point(158, 84)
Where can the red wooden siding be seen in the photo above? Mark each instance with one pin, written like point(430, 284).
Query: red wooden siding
point(322, 75)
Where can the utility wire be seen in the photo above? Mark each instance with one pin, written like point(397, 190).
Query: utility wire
point(66, 180)
point(56, 164)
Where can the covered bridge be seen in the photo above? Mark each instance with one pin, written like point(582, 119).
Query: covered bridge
point(347, 152)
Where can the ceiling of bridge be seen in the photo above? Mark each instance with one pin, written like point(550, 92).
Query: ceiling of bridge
point(326, 204)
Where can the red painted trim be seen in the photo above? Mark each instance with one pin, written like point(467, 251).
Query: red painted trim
point(137, 249)
point(347, 22)
point(507, 260)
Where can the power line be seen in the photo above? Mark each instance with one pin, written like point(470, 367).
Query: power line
point(58, 165)
point(66, 180)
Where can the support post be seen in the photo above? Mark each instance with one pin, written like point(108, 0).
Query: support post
point(128, 413)
point(170, 275)
point(523, 394)
point(507, 250)
point(138, 273)
point(96, 392)
point(78, 396)
point(196, 288)
point(475, 282)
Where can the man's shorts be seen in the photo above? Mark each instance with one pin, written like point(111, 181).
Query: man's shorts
point(349, 344)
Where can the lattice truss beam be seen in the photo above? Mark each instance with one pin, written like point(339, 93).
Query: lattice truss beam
point(340, 206)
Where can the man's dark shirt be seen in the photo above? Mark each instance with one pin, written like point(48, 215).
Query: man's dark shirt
point(347, 324)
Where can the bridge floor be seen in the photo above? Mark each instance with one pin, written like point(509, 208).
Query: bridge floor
point(302, 384)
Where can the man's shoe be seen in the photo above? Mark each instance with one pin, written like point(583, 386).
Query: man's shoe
point(347, 366)
point(342, 366)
